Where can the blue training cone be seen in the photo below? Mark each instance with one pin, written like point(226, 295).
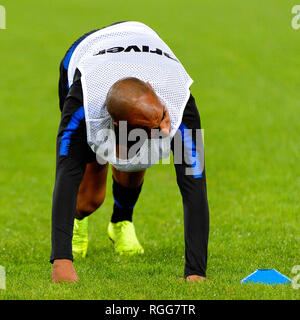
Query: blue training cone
point(266, 276)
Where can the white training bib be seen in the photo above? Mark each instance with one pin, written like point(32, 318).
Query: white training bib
point(128, 49)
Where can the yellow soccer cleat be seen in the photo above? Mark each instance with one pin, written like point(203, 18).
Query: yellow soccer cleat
point(80, 238)
point(123, 236)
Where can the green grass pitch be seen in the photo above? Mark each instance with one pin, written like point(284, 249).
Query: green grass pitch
point(244, 59)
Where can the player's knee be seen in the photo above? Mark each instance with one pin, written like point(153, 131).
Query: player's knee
point(87, 207)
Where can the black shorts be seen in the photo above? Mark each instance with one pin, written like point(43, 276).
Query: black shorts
point(63, 86)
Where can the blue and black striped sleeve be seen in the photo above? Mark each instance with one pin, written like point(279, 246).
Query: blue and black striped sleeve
point(71, 159)
point(193, 190)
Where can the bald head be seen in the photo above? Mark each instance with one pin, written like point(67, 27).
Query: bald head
point(133, 100)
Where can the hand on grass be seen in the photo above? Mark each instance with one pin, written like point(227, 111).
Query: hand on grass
point(195, 278)
point(63, 270)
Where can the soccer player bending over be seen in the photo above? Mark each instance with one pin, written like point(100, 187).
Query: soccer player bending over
point(114, 82)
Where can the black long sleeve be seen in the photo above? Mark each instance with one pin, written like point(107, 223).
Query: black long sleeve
point(71, 159)
point(195, 204)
